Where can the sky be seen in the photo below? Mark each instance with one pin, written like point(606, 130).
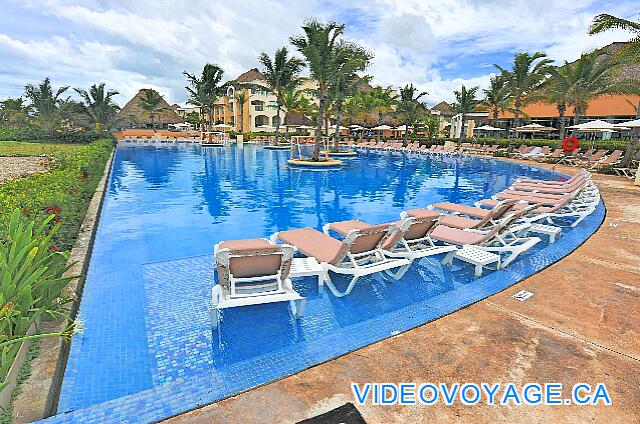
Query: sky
point(434, 44)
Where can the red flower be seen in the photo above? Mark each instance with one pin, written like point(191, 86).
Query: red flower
point(53, 248)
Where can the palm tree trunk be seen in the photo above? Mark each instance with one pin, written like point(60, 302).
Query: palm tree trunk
point(561, 111)
point(336, 139)
point(278, 122)
point(495, 117)
point(210, 137)
point(463, 117)
point(379, 123)
point(516, 118)
point(316, 148)
point(404, 136)
point(633, 143)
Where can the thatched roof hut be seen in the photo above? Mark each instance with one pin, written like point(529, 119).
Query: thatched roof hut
point(142, 120)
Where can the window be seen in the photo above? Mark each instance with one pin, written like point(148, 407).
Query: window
point(260, 120)
point(274, 121)
point(258, 105)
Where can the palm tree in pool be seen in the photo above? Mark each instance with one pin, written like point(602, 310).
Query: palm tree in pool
point(100, 108)
point(151, 103)
point(630, 53)
point(496, 97)
point(281, 75)
point(293, 102)
point(524, 80)
point(318, 45)
point(409, 108)
point(206, 89)
point(350, 59)
point(465, 103)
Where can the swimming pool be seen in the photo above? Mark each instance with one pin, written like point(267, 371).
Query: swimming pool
point(148, 348)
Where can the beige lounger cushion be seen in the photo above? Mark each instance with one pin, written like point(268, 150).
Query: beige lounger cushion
point(457, 236)
point(423, 213)
point(343, 227)
point(258, 258)
point(459, 222)
point(463, 209)
point(312, 243)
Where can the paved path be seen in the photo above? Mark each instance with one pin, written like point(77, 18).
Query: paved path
point(582, 325)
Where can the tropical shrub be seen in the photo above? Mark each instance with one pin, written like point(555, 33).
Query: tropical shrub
point(65, 190)
point(33, 133)
point(31, 283)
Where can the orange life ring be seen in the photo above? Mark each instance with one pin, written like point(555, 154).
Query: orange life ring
point(574, 143)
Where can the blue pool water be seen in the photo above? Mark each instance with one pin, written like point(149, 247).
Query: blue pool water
point(148, 346)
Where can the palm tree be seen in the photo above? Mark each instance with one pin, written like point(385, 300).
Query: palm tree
point(496, 97)
point(14, 112)
point(45, 103)
point(293, 102)
point(281, 74)
point(241, 98)
point(431, 126)
point(524, 80)
point(349, 60)
point(204, 91)
point(385, 100)
point(409, 108)
point(318, 46)
point(556, 90)
point(151, 102)
point(99, 106)
point(629, 53)
point(604, 22)
point(593, 75)
point(465, 103)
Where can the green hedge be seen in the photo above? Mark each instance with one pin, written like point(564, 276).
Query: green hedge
point(64, 190)
point(584, 144)
point(37, 134)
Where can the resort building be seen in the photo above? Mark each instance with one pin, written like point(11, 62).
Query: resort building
point(444, 112)
point(258, 111)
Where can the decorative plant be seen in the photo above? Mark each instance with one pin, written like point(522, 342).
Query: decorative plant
point(32, 281)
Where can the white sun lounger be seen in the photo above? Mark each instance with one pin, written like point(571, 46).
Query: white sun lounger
point(358, 254)
point(253, 272)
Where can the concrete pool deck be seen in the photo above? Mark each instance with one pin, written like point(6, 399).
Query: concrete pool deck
point(581, 325)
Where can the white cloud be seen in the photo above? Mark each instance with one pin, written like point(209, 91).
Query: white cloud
point(437, 46)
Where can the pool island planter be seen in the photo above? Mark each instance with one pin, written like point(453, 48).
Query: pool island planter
point(278, 147)
point(326, 163)
point(348, 153)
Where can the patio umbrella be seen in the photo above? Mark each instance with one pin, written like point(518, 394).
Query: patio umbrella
point(381, 128)
point(629, 124)
point(305, 127)
point(534, 128)
point(595, 126)
point(401, 128)
point(487, 128)
point(222, 126)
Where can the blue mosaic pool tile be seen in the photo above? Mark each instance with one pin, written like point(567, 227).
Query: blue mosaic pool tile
point(190, 366)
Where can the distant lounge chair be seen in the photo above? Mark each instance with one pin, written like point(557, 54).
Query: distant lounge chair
point(253, 272)
point(627, 172)
point(612, 160)
point(358, 254)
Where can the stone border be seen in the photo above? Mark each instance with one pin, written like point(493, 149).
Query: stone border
point(39, 392)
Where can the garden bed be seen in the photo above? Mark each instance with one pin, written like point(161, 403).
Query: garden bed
point(65, 191)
